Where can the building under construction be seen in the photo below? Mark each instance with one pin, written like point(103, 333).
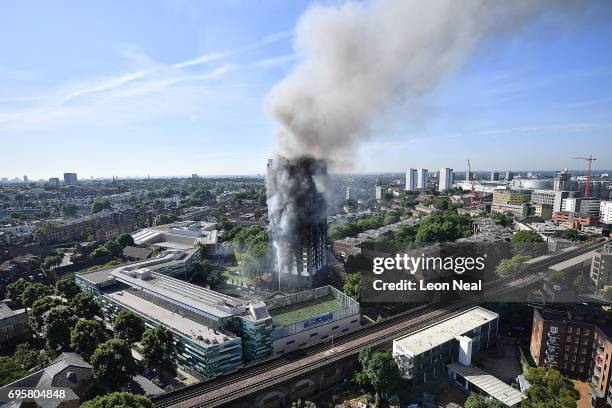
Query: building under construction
point(298, 222)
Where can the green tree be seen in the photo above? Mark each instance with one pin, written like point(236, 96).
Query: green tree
point(10, 370)
point(549, 389)
point(128, 326)
point(527, 242)
point(112, 363)
point(85, 306)
point(27, 357)
point(15, 289)
point(352, 286)
point(125, 240)
point(382, 373)
point(69, 210)
point(58, 322)
point(478, 401)
point(100, 253)
point(158, 349)
point(163, 219)
point(557, 277)
point(67, 288)
point(391, 217)
point(36, 314)
point(507, 267)
point(33, 292)
point(119, 400)
point(85, 337)
point(113, 248)
point(100, 204)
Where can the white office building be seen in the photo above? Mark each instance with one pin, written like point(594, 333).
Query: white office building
point(422, 179)
point(446, 179)
point(588, 206)
point(411, 180)
point(605, 212)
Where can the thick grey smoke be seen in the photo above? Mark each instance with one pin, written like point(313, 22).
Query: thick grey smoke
point(360, 59)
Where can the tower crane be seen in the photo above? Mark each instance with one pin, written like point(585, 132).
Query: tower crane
point(589, 159)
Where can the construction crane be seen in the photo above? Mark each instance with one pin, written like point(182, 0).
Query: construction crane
point(473, 188)
point(588, 180)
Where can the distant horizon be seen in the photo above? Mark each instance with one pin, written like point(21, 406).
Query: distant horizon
point(594, 172)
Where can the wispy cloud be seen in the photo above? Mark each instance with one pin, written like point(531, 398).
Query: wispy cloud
point(214, 56)
point(276, 61)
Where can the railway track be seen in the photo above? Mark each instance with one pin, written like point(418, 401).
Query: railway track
point(289, 366)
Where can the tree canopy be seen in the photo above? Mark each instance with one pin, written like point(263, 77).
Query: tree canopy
point(113, 364)
point(119, 399)
point(549, 389)
point(85, 337)
point(67, 288)
point(128, 326)
point(158, 349)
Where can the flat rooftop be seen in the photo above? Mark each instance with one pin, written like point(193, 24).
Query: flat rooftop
point(495, 387)
point(213, 304)
point(197, 332)
point(297, 312)
point(444, 331)
point(163, 259)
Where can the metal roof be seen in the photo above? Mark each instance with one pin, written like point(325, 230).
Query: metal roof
point(491, 385)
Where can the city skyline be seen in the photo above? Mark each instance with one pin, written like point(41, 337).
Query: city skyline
point(180, 90)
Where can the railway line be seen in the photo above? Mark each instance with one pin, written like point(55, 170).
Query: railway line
point(251, 379)
point(262, 374)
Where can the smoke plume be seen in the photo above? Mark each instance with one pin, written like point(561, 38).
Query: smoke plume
point(360, 59)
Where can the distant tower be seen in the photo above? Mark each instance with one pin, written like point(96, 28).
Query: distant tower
point(563, 181)
point(411, 180)
point(71, 179)
point(25, 179)
point(349, 196)
point(446, 179)
point(422, 179)
point(494, 176)
point(509, 175)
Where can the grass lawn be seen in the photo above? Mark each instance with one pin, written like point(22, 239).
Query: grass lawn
point(305, 310)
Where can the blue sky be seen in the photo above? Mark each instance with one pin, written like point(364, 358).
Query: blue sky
point(177, 87)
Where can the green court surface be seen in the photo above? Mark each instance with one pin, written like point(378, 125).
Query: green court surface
point(304, 310)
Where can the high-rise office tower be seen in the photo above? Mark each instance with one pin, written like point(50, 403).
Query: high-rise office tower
point(411, 180)
point(494, 176)
point(70, 179)
point(422, 179)
point(509, 175)
point(446, 179)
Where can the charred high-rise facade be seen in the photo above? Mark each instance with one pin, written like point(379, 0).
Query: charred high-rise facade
point(298, 221)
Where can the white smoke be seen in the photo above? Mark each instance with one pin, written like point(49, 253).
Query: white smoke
point(360, 59)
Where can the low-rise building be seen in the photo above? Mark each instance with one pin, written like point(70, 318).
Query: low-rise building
point(425, 354)
point(69, 372)
point(13, 324)
point(601, 267)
